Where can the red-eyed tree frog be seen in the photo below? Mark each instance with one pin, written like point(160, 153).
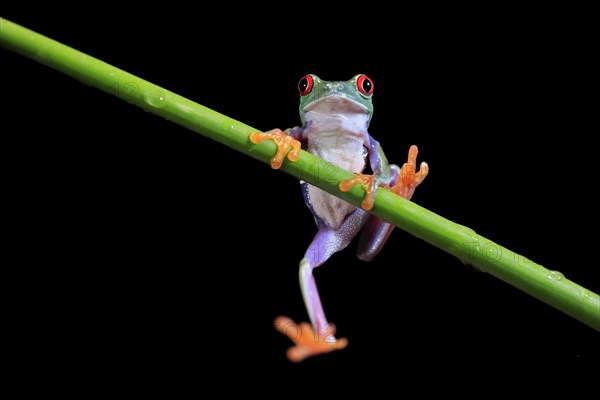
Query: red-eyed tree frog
point(335, 116)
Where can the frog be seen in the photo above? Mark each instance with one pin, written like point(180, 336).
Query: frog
point(335, 117)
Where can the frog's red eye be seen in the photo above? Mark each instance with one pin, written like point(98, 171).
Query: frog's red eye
point(365, 85)
point(305, 85)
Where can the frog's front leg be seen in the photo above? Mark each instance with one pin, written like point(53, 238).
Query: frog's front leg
point(381, 174)
point(368, 182)
point(405, 185)
point(284, 142)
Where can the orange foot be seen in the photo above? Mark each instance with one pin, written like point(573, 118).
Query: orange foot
point(409, 179)
point(308, 342)
point(367, 181)
point(283, 141)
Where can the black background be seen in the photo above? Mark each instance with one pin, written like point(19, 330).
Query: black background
point(155, 250)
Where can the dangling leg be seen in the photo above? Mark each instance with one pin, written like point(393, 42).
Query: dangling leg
point(323, 246)
point(319, 337)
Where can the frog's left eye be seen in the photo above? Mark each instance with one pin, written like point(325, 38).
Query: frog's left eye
point(364, 85)
point(305, 85)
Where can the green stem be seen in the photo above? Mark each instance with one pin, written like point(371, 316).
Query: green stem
point(548, 286)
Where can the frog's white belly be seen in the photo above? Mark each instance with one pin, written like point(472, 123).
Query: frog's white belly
point(338, 137)
point(342, 143)
point(344, 151)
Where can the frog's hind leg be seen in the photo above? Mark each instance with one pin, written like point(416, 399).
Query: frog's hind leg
point(376, 232)
point(326, 242)
point(318, 338)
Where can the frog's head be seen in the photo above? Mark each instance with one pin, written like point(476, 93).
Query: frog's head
point(343, 97)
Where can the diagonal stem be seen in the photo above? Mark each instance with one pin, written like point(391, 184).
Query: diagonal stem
point(547, 286)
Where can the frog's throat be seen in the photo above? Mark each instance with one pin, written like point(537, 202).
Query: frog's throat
point(343, 101)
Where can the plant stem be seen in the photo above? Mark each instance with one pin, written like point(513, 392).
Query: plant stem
point(548, 286)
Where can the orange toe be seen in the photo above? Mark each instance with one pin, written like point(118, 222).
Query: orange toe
point(284, 144)
point(308, 343)
point(367, 181)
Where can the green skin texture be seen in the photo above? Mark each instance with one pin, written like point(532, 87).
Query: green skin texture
point(348, 90)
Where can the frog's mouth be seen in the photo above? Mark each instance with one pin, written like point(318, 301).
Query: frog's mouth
point(337, 103)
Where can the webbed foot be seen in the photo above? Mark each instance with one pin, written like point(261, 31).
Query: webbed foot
point(308, 343)
point(368, 182)
point(284, 143)
point(409, 178)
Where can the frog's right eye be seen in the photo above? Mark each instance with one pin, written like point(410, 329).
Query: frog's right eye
point(305, 85)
